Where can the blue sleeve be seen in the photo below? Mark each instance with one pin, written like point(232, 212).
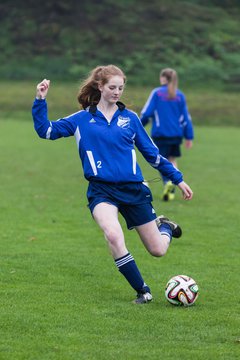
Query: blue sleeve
point(151, 153)
point(148, 109)
point(187, 122)
point(50, 129)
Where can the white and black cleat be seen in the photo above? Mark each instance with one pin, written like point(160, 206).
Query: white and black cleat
point(176, 230)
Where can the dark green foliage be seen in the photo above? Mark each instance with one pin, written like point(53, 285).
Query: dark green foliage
point(64, 40)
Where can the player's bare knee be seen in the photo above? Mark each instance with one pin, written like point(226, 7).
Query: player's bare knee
point(112, 236)
point(157, 252)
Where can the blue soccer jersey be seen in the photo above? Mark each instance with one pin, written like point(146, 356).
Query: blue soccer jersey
point(170, 116)
point(106, 149)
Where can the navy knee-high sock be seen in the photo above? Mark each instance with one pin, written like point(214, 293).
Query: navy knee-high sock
point(165, 229)
point(127, 266)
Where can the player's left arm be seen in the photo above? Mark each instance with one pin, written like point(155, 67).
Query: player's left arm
point(151, 153)
point(188, 130)
point(148, 109)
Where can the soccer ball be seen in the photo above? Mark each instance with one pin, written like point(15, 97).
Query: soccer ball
point(181, 290)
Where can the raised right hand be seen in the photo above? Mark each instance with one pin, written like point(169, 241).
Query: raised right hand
point(42, 89)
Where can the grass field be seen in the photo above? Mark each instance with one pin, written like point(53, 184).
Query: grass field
point(208, 107)
point(62, 297)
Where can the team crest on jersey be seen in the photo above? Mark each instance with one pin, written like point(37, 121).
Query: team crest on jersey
point(123, 122)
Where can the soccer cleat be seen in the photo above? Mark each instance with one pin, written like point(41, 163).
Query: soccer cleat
point(168, 191)
point(176, 230)
point(171, 196)
point(143, 298)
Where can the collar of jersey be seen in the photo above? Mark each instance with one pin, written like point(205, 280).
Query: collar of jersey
point(93, 108)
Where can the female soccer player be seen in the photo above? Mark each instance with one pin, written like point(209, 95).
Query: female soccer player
point(106, 133)
point(171, 122)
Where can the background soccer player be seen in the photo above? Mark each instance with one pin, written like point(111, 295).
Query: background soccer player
point(171, 122)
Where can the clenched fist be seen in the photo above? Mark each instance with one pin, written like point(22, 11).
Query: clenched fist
point(42, 89)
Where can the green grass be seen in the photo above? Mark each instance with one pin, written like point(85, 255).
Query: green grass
point(212, 107)
point(61, 295)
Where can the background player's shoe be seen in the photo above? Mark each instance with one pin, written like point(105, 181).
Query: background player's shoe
point(168, 191)
point(143, 298)
point(176, 230)
point(171, 196)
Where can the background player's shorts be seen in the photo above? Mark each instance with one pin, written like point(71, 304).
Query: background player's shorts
point(167, 149)
point(133, 200)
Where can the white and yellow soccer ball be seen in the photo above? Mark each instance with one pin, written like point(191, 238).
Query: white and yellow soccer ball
point(181, 290)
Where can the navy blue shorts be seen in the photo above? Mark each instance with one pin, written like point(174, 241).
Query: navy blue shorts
point(133, 200)
point(167, 149)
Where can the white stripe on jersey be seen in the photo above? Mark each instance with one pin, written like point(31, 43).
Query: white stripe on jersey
point(49, 130)
point(157, 162)
point(66, 117)
point(134, 161)
point(77, 136)
point(148, 101)
point(92, 162)
point(157, 118)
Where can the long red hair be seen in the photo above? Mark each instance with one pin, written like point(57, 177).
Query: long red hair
point(89, 93)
